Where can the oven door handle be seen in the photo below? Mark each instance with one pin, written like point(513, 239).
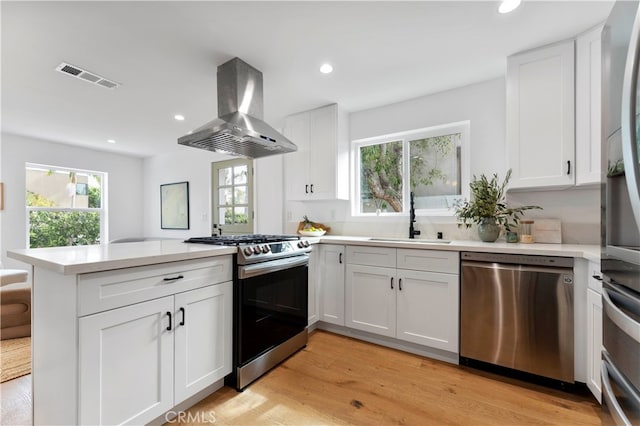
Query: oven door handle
point(263, 268)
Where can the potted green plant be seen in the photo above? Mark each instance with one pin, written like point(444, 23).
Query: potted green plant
point(488, 207)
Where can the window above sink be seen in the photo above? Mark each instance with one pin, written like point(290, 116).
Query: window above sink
point(433, 163)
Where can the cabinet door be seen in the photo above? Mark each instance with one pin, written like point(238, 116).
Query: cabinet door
point(314, 284)
point(370, 299)
point(296, 164)
point(332, 288)
point(126, 364)
point(322, 149)
point(540, 117)
point(594, 342)
point(202, 323)
point(588, 107)
point(428, 309)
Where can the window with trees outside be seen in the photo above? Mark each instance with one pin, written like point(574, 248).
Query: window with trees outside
point(432, 163)
point(65, 207)
point(232, 185)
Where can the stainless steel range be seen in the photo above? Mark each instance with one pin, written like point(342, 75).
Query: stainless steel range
point(269, 301)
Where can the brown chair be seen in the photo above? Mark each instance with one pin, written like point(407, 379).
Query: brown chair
point(15, 304)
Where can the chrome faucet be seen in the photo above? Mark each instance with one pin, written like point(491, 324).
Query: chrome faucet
point(412, 218)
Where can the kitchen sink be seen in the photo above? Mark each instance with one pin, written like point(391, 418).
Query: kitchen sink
point(411, 240)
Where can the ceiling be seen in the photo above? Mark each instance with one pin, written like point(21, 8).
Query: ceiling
point(165, 54)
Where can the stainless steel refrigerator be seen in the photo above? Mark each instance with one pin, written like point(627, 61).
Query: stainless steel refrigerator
point(621, 216)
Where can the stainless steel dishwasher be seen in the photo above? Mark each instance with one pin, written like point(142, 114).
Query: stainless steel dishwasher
point(516, 311)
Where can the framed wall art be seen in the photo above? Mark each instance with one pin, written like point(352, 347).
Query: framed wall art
point(174, 205)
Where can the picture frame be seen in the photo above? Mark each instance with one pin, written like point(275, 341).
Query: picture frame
point(174, 205)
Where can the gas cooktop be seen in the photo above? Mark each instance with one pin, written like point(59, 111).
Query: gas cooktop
point(236, 240)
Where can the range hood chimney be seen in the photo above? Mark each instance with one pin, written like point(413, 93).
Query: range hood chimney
point(239, 129)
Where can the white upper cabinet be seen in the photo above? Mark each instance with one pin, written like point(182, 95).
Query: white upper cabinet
point(588, 107)
point(319, 170)
point(540, 117)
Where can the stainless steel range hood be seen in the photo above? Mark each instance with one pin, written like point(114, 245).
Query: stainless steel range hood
point(239, 129)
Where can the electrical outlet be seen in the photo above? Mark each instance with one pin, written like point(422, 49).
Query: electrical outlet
point(333, 214)
point(204, 217)
point(289, 215)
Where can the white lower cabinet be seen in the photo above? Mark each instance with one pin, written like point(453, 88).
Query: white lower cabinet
point(594, 330)
point(418, 306)
point(427, 305)
point(370, 299)
point(314, 287)
point(332, 283)
point(138, 361)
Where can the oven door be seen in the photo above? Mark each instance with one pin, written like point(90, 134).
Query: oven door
point(272, 304)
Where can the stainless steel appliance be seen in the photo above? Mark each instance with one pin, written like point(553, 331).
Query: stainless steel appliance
point(620, 260)
point(269, 301)
point(239, 129)
point(516, 311)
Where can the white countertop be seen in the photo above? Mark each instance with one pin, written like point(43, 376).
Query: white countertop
point(83, 259)
point(587, 251)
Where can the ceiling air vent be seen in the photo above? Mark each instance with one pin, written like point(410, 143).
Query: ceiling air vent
point(87, 76)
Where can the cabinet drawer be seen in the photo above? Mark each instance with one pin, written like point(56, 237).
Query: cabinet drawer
point(429, 260)
point(374, 256)
point(101, 291)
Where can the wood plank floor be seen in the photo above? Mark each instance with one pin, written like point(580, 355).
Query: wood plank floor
point(338, 380)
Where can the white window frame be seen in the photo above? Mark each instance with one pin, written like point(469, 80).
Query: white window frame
point(239, 228)
point(103, 210)
point(462, 127)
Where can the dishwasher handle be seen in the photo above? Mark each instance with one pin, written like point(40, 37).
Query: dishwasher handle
point(522, 268)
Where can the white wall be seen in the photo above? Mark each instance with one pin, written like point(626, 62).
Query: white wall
point(124, 192)
point(483, 104)
point(194, 166)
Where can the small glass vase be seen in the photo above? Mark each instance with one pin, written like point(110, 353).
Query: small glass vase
point(488, 230)
point(511, 236)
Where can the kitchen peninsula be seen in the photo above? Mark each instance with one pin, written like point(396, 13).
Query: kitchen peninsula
point(111, 342)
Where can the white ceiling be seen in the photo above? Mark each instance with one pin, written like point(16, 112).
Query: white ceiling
point(165, 55)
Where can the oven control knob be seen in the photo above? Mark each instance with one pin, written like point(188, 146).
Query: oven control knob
point(248, 251)
point(257, 250)
point(306, 243)
point(266, 248)
point(300, 244)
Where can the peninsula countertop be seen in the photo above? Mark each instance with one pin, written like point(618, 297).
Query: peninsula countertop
point(93, 258)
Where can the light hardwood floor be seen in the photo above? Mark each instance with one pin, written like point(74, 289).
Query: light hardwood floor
point(336, 380)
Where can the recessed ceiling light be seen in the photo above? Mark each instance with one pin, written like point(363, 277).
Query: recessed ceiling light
point(111, 141)
point(179, 117)
point(508, 6)
point(326, 68)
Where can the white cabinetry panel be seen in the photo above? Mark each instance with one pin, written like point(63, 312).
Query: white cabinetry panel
point(371, 299)
point(428, 309)
point(588, 107)
point(332, 284)
point(203, 324)
point(540, 116)
point(126, 364)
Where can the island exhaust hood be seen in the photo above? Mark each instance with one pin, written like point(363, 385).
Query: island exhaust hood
point(239, 129)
